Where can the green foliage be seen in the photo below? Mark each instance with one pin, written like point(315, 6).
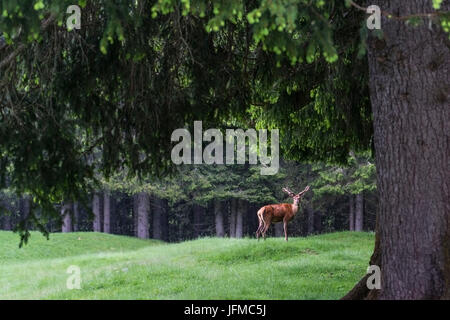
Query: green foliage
point(82, 104)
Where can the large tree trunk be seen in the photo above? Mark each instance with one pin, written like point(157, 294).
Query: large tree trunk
point(106, 213)
point(351, 210)
point(66, 213)
point(241, 209)
point(97, 224)
point(359, 212)
point(218, 212)
point(143, 209)
point(410, 96)
point(233, 214)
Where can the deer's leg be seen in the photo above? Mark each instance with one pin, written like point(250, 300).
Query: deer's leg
point(266, 227)
point(258, 232)
point(285, 230)
point(260, 227)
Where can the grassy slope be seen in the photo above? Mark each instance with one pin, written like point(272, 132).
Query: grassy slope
point(117, 267)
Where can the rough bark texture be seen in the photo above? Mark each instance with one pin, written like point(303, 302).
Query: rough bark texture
point(233, 215)
point(107, 213)
point(218, 212)
point(409, 88)
point(241, 209)
point(97, 225)
point(143, 215)
point(359, 212)
point(66, 213)
point(351, 214)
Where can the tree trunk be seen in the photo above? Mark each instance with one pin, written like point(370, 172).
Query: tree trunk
point(165, 220)
point(318, 222)
point(409, 94)
point(241, 209)
point(351, 216)
point(157, 212)
point(76, 216)
point(218, 212)
point(233, 214)
point(7, 222)
point(310, 215)
point(359, 212)
point(143, 215)
point(279, 229)
point(97, 225)
point(7, 216)
point(135, 214)
point(66, 213)
point(199, 215)
point(106, 213)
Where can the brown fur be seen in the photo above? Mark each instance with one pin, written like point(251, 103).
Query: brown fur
point(278, 212)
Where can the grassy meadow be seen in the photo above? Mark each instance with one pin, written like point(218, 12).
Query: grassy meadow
point(119, 267)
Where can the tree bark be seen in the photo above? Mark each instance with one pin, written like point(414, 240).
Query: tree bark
point(165, 220)
point(135, 214)
point(97, 224)
point(143, 215)
point(359, 212)
point(7, 216)
point(199, 215)
point(409, 93)
point(233, 214)
point(157, 212)
point(279, 230)
point(318, 221)
point(76, 216)
point(218, 213)
point(351, 215)
point(241, 209)
point(66, 213)
point(106, 213)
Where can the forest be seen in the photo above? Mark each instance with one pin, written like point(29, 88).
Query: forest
point(92, 94)
point(217, 201)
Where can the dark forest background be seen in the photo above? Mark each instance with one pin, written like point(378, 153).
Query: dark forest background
point(222, 201)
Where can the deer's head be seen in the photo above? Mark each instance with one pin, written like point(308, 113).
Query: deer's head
point(296, 196)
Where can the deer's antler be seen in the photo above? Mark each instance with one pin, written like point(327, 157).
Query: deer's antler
point(306, 189)
point(289, 192)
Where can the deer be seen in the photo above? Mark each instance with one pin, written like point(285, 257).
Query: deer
point(278, 212)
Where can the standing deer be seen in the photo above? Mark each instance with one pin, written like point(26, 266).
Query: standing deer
point(278, 212)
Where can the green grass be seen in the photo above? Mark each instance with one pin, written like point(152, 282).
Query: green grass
point(118, 267)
